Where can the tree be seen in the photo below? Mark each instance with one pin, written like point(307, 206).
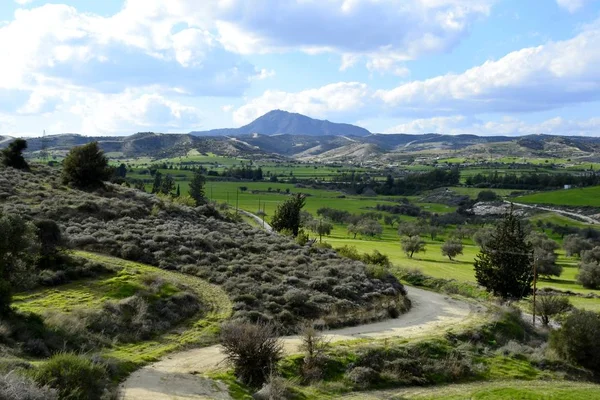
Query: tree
point(487, 195)
point(178, 191)
point(12, 156)
point(451, 248)
point(197, 188)
point(575, 244)
point(157, 184)
point(369, 227)
point(121, 171)
point(549, 305)
point(483, 236)
point(86, 166)
point(50, 240)
point(287, 215)
point(544, 254)
point(409, 229)
point(314, 346)
point(390, 220)
point(168, 184)
point(18, 249)
point(412, 245)
point(321, 228)
point(504, 265)
point(252, 349)
point(434, 231)
point(352, 229)
point(578, 339)
point(589, 275)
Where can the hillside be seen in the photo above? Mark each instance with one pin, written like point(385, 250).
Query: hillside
point(268, 276)
point(278, 122)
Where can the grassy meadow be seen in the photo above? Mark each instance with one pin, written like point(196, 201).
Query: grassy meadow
point(577, 197)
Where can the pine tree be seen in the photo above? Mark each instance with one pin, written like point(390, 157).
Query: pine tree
point(287, 215)
point(178, 192)
point(86, 166)
point(197, 188)
point(168, 184)
point(157, 185)
point(504, 265)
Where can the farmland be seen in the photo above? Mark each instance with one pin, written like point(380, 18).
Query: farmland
point(576, 197)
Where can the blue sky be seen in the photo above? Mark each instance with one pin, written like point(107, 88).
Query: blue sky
point(116, 67)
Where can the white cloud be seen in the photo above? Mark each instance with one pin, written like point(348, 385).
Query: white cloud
point(537, 78)
point(131, 112)
point(263, 74)
point(572, 6)
point(227, 108)
point(327, 100)
point(460, 124)
point(23, 2)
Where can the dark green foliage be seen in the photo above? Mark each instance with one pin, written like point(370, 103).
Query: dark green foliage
point(18, 248)
point(12, 156)
point(74, 377)
point(252, 349)
point(50, 238)
point(157, 184)
point(196, 189)
point(578, 339)
point(504, 266)
point(168, 185)
point(287, 215)
point(483, 236)
point(86, 166)
point(487, 195)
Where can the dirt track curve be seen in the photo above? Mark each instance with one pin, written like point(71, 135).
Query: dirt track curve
point(178, 376)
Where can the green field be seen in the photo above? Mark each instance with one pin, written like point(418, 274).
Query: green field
point(577, 197)
point(503, 390)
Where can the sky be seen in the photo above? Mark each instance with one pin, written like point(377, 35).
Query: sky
point(115, 67)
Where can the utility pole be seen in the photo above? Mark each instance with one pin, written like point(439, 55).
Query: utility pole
point(44, 149)
point(535, 261)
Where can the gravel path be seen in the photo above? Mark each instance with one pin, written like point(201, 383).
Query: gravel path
point(177, 377)
point(258, 219)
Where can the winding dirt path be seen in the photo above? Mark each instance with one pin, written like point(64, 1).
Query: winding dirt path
point(585, 218)
point(177, 377)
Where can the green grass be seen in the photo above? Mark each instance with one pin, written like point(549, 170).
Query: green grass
point(503, 390)
point(577, 197)
point(94, 292)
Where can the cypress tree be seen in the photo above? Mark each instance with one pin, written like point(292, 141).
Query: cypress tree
point(504, 265)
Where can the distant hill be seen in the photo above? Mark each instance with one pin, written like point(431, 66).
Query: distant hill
point(278, 122)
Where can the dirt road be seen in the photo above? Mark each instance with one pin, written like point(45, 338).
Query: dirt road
point(258, 219)
point(177, 377)
point(582, 217)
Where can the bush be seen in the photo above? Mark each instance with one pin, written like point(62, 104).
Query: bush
point(74, 377)
point(362, 377)
point(549, 305)
point(578, 339)
point(252, 349)
point(589, 275)
point(13, 387)
point(12, 156)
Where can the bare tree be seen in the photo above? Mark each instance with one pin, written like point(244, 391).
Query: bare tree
point(313, 346)
point(252, 349)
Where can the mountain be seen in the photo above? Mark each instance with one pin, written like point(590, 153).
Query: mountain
point(278, 122)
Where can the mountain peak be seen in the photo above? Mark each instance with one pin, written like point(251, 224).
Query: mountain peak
point(280, 122)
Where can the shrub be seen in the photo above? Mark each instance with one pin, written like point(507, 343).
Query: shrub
point(13, 387)
point(549, 305)
point(578, 339)
point(252, 349)
point(362, 377)
point(74, 377)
